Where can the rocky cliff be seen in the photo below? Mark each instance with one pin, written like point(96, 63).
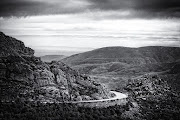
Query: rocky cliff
point(24, 76)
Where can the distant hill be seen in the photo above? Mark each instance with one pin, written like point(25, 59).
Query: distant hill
point(115, 65)
point(49, 58)
point(124, 60)
point(142, 55)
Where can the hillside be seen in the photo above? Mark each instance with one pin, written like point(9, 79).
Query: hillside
point(113, 66)
point(152, 98)
point(24, 76)
point(49, 58)
point(142, 55)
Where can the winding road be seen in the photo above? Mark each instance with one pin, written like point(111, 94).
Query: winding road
point(117, 96)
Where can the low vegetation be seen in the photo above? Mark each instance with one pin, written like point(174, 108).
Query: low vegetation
point(19, 110)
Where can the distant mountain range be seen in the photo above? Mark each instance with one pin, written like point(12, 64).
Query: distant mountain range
point(135, 56)
point(114, 65)
point(49, 58)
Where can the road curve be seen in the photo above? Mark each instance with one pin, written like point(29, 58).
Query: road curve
point(117, 96)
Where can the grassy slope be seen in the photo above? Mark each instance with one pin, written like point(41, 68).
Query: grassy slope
point(153, 54)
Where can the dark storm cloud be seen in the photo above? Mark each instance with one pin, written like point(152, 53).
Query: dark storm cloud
point(135, 4)
point(37, 7)
point(143, 8)
point(19, 7)
point(140, 8)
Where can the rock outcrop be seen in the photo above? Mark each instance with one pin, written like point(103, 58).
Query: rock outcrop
point(147, 85)
point(25, 76)
point(12, 46)
point(151, 97)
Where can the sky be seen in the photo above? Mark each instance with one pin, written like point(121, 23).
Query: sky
point(71, 26)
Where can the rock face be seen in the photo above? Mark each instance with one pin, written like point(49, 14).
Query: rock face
point(25, 76)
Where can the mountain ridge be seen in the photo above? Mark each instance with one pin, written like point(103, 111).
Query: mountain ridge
point(49, 58)
point(113, 66)
point(150, 54)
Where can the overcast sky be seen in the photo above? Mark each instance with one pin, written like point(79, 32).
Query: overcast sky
point(71, 26)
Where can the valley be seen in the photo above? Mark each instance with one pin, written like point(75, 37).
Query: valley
point(114, 66)
point(149, 75)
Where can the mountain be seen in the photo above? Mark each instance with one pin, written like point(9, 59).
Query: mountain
point(113, 66)
point(24, 76)
point(49, 58)
point(142, 55)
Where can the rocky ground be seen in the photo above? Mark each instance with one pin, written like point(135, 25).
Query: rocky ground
point(151, 98)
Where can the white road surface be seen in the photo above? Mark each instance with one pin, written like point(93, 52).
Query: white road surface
point(117, 96)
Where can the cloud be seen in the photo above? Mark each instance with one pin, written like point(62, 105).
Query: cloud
point(140, 8)
point(40, 7)
point(135, 4)
point(137, 8)
point(76, 31)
